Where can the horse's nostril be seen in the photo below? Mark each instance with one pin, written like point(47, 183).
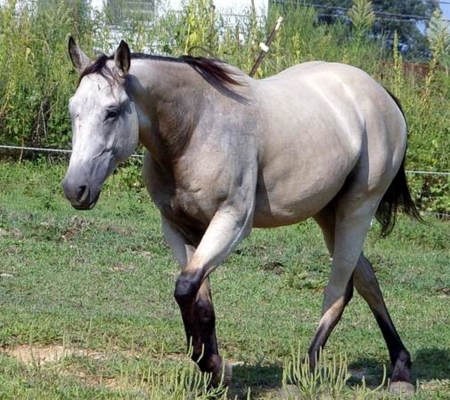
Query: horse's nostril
point(82, 194)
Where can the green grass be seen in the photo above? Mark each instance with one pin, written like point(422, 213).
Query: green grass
point(87, 309)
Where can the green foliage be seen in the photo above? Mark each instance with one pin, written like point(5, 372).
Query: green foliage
point(432, 193)
point(131, 173)
point(199, 22)
point(412, 42)
point(37, 78)
point(439, 36)
point(362, 17)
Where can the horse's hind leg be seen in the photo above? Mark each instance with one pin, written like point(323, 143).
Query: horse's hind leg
point(345, 224)
point(326, 221)
point(329, 320)
point(367, 285)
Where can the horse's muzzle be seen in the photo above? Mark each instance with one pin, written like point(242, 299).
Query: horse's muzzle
point(80, 196)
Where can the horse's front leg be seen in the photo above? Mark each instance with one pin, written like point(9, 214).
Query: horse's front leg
point(198, 314)
point(200, 325)
point(192, 291)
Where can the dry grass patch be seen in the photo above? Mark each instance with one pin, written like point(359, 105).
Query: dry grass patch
point(41, 355)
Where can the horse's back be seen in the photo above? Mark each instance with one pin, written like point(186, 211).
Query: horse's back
point(323, 123)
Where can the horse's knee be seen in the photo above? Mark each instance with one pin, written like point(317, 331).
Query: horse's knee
point(186, 287)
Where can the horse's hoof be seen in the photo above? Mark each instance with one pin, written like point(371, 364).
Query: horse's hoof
point(289, 392)
point(222, 375)
point(400, 388)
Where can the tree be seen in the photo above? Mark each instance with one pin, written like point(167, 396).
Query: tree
point(409, 18)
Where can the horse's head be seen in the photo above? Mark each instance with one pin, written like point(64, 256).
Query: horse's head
point(104, 123)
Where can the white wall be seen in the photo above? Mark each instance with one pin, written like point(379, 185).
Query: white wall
point(229, 6)
point(222, 6)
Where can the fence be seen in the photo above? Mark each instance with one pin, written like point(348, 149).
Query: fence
point(66, 151)
point(22, 149)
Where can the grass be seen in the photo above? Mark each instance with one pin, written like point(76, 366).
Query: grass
point(87, 309)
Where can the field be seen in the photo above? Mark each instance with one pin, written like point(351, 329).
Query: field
point(87, 310)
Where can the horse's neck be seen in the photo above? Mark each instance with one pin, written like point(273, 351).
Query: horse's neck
point(168, 102)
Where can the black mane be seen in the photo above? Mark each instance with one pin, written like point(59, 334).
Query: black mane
point(214, 71)
point(98, 66)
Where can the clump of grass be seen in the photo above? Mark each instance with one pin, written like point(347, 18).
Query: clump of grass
point(328, 380)
point(185, 382)
point(66, 372)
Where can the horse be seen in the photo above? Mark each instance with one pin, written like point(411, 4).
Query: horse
point(226, 153)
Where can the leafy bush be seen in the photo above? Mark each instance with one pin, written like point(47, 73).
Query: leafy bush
point(37, 79)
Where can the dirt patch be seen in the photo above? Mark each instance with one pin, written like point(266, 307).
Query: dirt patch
point(47, 354)
point(55, 353)
point(33, 355)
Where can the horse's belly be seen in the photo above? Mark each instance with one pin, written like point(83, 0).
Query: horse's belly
point(285, 214)
point(281, 207)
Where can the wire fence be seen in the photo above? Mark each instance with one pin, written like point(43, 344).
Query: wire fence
point(44, 150)
point(68, 152)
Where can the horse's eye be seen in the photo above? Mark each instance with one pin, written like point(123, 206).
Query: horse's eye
point(111, 114)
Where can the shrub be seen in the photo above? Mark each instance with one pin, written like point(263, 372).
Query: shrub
point(37, 79)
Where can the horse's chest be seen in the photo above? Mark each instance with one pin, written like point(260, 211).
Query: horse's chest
point(188, 207)
point(195, 188)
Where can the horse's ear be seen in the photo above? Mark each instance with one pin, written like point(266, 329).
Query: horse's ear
point(122, 58)
point(79, 59)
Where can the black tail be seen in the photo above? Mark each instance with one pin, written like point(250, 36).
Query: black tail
point(396, 197)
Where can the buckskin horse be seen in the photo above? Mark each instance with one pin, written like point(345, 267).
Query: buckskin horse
point(226, 153)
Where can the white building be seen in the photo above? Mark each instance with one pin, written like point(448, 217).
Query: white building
point(229, 6)
point(123, 10)
point(233, 7)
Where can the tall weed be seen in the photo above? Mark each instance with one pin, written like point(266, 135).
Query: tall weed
point(36, 76)
point(36, 79)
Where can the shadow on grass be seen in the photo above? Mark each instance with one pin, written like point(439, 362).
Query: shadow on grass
point(265, 380)
point(259, 379)
point(369, 369)
point(262, 380)
point(430, 364)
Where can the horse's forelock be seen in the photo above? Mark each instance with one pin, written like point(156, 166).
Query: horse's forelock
point(98, 66)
